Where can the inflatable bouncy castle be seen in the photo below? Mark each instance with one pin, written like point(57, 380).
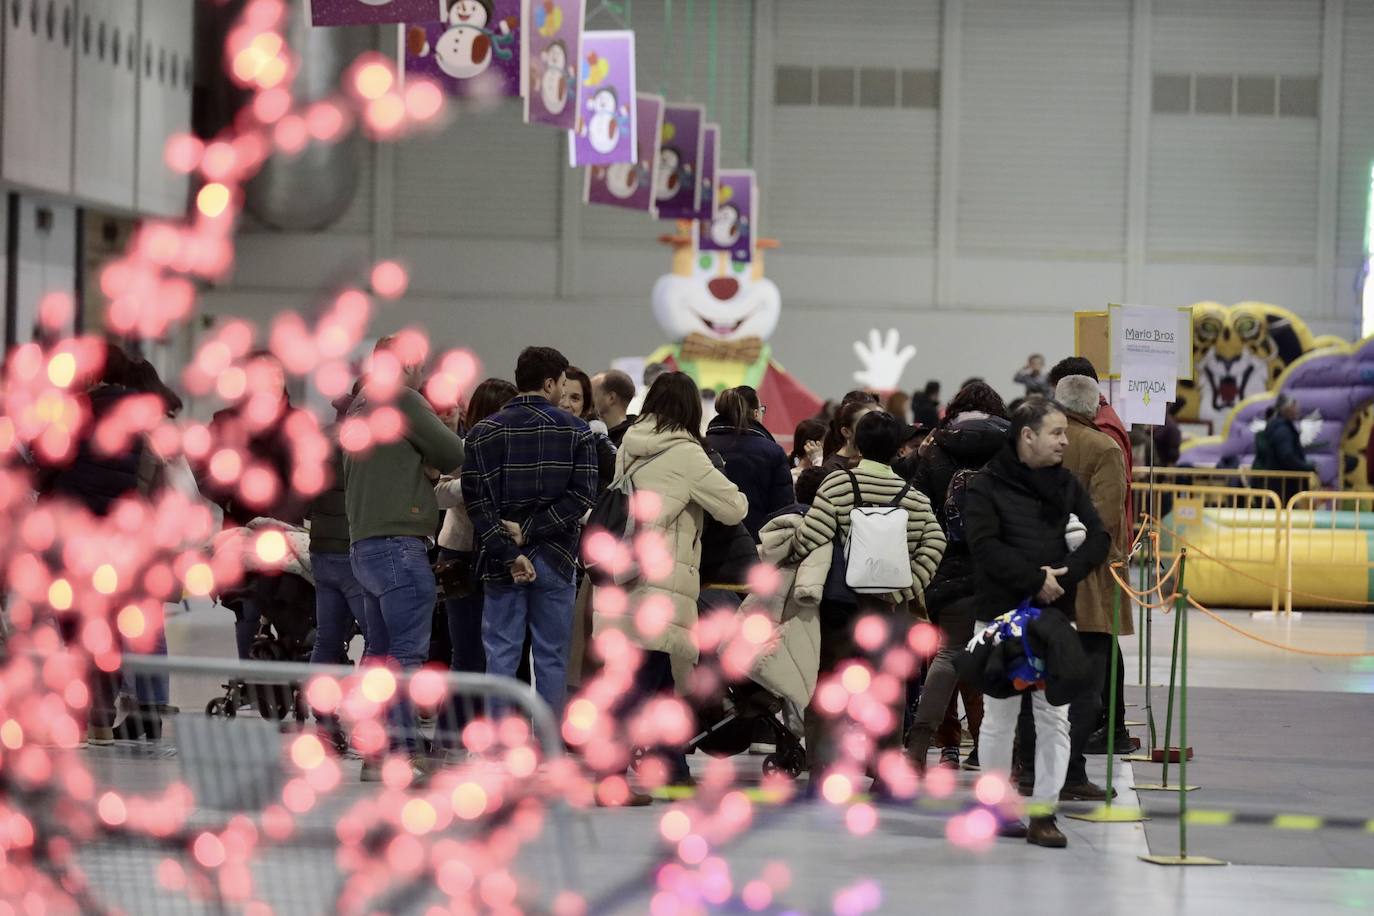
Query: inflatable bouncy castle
point(1244, 356)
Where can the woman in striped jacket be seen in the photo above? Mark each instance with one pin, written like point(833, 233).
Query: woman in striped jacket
point(877, 438)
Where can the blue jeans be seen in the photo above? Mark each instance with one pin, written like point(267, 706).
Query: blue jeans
point(398, 601)
point(546, 607)
point(338, 600)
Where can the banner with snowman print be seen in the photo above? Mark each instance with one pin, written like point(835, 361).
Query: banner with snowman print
point(473, 51)
point(606, 132)
point(678, 187)
point(710, 158)
point(632, 185)
point(550, 47)
point(372, 12)
point(733, 228)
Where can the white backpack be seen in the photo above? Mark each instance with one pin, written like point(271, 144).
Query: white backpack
point(876, 558)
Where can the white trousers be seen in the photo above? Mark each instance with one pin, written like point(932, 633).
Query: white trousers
point(1051, 745)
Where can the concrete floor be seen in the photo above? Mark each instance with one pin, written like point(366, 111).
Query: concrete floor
point(907, 857)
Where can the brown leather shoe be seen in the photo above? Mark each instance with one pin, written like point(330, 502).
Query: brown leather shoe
point(1084, 791)
point(1012, 830)
point(1045, 832)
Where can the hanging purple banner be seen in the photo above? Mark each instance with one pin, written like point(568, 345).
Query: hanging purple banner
point(371, 12)
point(632, 185)
point(605, 132)
point(732, 229)
point(710, 163)
point(474, 52)
point(551, 47)
point(678, 190)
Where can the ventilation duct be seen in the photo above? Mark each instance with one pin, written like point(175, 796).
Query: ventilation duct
point(313, 189)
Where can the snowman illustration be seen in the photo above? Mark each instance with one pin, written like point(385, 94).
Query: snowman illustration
point(726, 226)
point(607, 119)
point(671, 173)
point(623, 179)
point(467, 46)
point(556, 79)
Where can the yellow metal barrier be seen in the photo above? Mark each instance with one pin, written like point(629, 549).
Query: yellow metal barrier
point(1226, 530)
point(1278, 481)
point(1330, 548)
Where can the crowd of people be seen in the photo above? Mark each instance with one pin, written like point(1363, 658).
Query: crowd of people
point(986, 508)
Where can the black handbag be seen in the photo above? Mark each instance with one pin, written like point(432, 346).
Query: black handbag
point(455, 577)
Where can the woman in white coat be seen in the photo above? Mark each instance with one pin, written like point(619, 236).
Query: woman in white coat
point(664, 454)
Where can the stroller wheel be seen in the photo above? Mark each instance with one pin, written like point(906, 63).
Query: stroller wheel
point(787, 765)
point(220, 708)
point(273, 702)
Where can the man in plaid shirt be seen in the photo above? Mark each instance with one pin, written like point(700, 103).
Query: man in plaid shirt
point(528, 479)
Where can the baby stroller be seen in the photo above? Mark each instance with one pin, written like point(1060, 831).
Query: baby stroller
point(286, 632)
point(731, 727)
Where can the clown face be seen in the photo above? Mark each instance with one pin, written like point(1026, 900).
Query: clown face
point(464, 50)
point(669, 160)
point(709, 294)
point(553, 85)
point(725, 226)
point(603, 130)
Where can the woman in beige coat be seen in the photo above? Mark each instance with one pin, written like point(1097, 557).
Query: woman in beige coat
point(663, 454)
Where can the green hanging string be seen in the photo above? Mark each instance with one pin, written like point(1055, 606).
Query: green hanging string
point(692, 61)
point(666, 65)
point(711, 59)
point(726, 96)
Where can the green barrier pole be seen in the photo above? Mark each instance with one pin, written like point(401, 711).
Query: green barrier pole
point(1111, 693)
point(1106, 814)
point(1141, 643)
point(1173, 674)
point(1182, 858)
point(1182, 735)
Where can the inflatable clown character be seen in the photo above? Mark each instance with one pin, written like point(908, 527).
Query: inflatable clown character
point(721, 313)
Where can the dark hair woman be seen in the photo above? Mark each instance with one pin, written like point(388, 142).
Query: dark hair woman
point(664, 454)
point(577, 394)
point(840, 452)
point(808, 446)
point(974, 429)
point(487, 398)
point(577, 400)
point(753, 461)
point(457, 549)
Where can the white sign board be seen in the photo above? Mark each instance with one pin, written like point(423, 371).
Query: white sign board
point(1148, 342)
point(1146, 392)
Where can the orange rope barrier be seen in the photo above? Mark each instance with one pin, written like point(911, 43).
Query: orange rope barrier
point(1271, 643)
point(1245, 575)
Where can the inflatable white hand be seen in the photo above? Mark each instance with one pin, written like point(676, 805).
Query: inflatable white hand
point(883, 359)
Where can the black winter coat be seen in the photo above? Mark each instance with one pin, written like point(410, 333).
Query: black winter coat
point(987, 665)
point(269, 446)
point(966, 443)
point(757, 465)
point(1281, 449)
point(1014, 520)
point(94, 479)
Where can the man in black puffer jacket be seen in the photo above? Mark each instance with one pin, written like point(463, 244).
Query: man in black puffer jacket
point(1017, 516)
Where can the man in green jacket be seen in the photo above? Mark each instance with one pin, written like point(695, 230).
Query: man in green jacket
point(392, 514)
